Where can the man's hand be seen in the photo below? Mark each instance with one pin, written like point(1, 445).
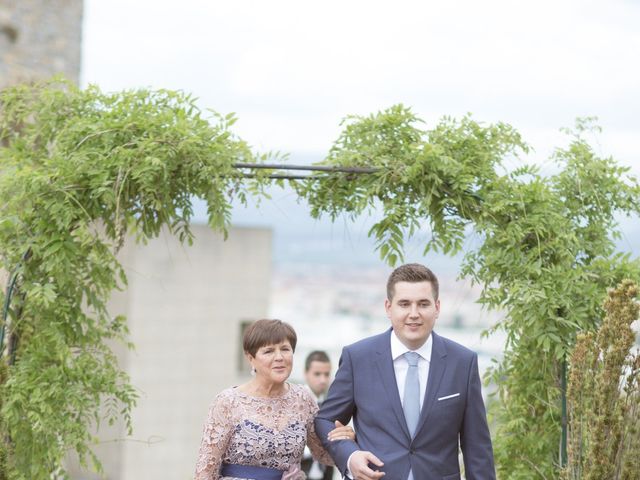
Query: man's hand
point(359, 466)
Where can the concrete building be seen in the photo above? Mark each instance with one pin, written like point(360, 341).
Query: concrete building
point(38, 39)
point(186, 308)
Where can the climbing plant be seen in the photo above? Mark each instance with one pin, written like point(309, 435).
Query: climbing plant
point(542, 247)
point(80, 169)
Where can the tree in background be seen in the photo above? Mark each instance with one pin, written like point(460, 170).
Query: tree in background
point(80, 169)
point(604, 395)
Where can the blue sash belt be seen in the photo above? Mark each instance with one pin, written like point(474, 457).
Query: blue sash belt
point(249, 471)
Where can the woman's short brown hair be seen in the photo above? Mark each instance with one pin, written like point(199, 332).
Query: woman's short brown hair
point(267, 332)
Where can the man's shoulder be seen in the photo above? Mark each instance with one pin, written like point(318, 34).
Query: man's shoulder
point(378, 341)
point(452, 347)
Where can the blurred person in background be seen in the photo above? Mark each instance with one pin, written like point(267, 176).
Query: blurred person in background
point(258, 430)
point(317, 374)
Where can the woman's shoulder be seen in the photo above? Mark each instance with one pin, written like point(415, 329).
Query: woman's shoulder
point(228, 393)
point(299, 390)
point(303, 395)
point(228, 396)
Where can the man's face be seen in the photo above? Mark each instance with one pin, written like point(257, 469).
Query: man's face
point(318, 376)
point(413, 312)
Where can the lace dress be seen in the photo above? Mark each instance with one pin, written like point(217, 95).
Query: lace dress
point(262, 432)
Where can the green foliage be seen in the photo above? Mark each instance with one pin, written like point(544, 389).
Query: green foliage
point(546, 257)
point(604, 395)
point(545, 246)
point(426, 178)
point(80, 170)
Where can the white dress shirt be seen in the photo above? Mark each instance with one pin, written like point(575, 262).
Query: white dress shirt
point(400, 365)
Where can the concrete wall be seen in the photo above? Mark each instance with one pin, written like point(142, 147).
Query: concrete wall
point(39, 38)
point(185, 308)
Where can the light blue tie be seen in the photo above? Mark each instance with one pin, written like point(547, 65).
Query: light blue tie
point(411, 400)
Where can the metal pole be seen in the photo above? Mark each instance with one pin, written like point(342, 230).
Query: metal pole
point(563, 445)
point(5, 309)
point(7, 298)
point(310, 168)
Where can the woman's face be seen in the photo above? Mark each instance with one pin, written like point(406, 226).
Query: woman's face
point(273, 362)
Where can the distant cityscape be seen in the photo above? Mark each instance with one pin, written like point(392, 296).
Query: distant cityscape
point(329, 281)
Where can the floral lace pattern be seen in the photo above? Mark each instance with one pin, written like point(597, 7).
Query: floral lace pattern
point(262, 432)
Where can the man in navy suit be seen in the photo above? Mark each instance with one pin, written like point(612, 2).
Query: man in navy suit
point(415, 397)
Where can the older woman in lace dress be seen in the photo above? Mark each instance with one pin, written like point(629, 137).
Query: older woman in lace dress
point(258, 430)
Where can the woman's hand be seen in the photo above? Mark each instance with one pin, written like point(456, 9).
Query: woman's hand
point(341, 432)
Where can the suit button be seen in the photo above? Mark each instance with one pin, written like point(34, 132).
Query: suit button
point(412, 451)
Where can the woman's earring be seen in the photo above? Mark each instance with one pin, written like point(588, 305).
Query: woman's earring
point(253, 370)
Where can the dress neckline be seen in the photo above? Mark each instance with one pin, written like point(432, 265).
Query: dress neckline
point(255, 397)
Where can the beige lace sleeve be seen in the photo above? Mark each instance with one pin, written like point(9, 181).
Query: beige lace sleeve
point(218, 429)
point(313, 442)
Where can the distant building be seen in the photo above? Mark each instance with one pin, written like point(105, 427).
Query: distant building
point(38, 39)
point(186, 309)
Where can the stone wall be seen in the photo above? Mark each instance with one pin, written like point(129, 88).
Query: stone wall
point(38, 39)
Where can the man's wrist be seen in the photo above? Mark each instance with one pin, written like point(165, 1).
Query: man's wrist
point(347, 472)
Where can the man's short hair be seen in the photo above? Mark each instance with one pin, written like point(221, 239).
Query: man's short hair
point(412, 273)
point(267, 332)
point(316, 356)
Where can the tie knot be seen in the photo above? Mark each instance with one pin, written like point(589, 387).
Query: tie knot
point(412, 358)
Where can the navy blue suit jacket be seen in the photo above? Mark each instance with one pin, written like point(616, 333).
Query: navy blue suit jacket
point(452, 415)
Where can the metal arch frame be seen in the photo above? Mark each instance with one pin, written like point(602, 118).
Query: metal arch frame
point(309, 168)
point(257, 166)
point(7, 304)
point(277, 176)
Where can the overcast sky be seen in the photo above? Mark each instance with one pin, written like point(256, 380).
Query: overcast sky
point(291, 70)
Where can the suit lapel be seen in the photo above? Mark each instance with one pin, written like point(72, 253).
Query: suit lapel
point(437, 368)
point(388, 377)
